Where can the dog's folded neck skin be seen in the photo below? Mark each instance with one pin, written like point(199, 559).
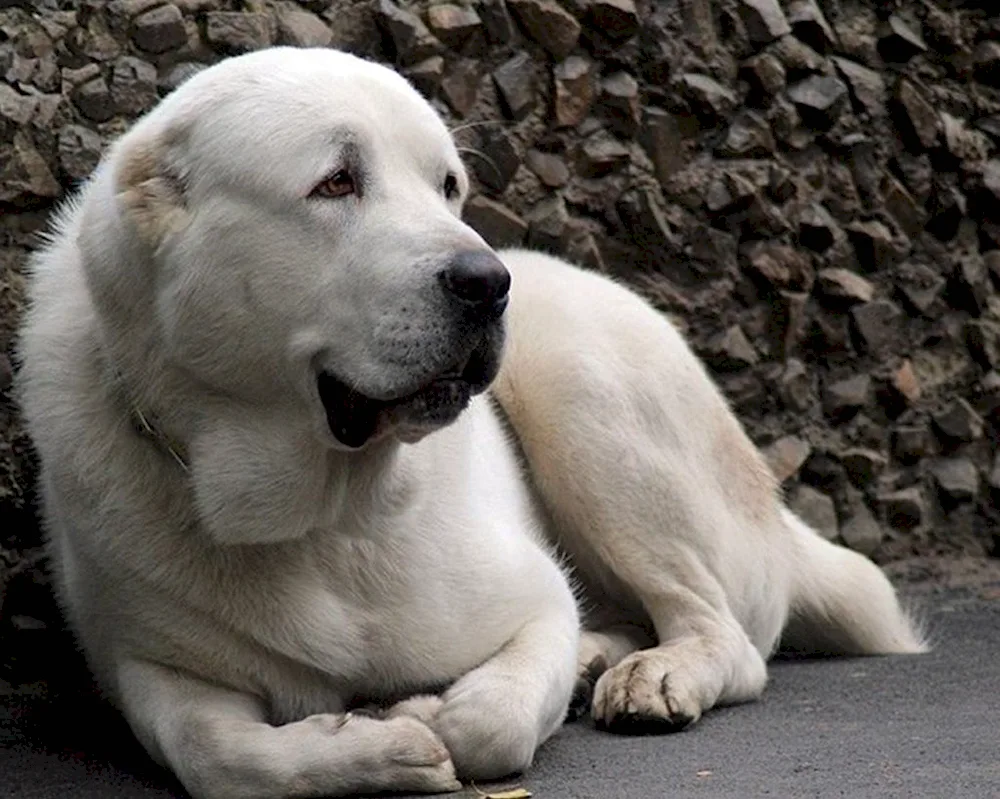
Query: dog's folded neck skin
point(259, 475)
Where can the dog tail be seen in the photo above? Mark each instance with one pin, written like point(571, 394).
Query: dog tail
point(842, 603)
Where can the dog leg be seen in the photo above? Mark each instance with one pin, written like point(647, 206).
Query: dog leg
point(494, 718)
point(599, 651)
point(704, 659)
point(219, 745)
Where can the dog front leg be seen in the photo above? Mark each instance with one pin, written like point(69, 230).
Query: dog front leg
point(219, 745)
point(494, 718)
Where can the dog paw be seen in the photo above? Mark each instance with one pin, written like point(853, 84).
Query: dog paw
point(588, 671)
point(643, 694)
point(424, 707)
point(488, 733)
point(411, 757)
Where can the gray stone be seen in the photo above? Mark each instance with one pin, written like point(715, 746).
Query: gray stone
point(24, 174)
point(899, 40)
point(601, 154)
point(133, 85)
point(618, 20)
point(411, 39)
point(709, 98)
point(551, 169)
point(460, 84)
point(957, 479)
point(298, 28)
point(548, 225)
point(749, 136)
point(844, 287)
point(873, 243)
point(496, 160)
point(549, 24)
point(920, 116)
point(819, 98)
point(574, 91)
point(795, 386)
point(993, 480)
point(453, 25)
point(234, 32)
point(958, 422)
point(764, 20)
point(160, 29)
point(778, 264)
point(983, 339)
point(786, 456)
point(817, 228)
point(426, 75)
point(93, 99)
point(862, 465)
point(905, 509)
point(867, 86)
point(842, 399)
point(80, 150)
point(16, 110)
point(515, 82)
point(911, 443)
point(876, 326)
point(765, 73)
point(816, 509)
point(495, 222)
point(497, 24)
point(731, 351)
point(809, 25)
point(861, 530)
point(986, 58)
point(663, 140)
point(620, 103)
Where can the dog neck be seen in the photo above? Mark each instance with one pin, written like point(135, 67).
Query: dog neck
point(147, 425)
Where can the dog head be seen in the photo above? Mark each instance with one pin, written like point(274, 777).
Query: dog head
point(297, 216)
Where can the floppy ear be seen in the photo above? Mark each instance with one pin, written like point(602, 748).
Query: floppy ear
point(150, 187)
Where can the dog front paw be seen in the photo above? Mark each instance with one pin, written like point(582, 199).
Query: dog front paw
point(645, 693)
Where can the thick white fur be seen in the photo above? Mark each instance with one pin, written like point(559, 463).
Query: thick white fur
point(238, 610)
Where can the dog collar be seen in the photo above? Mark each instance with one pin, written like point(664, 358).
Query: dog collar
point(148, 426)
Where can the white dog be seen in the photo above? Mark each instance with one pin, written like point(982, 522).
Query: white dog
point(255, 370)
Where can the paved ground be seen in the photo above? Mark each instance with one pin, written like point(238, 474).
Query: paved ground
point(924, 727)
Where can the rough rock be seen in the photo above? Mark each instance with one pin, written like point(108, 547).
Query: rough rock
point(549, 24)
point(904, 509)
point(957, 479)
point(764, 20)
point(816, 509)
point(844, 398)
point(515, 82)
point(574, 90)
point(453, 25)
point(234, 32)
point(495, 222)
point(159, 30)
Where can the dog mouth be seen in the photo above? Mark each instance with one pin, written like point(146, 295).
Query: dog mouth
point(355, 419)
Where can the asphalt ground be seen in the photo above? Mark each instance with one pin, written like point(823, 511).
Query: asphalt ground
point(926, 726)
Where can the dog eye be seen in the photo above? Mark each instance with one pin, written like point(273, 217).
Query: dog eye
point(450, 187)
point(339, 184)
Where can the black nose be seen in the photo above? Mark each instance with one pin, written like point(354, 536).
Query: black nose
point(478, 278)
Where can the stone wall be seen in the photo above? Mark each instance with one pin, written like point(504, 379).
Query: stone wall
point(811, 189)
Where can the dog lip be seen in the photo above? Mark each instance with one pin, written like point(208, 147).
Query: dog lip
point(354, 417)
